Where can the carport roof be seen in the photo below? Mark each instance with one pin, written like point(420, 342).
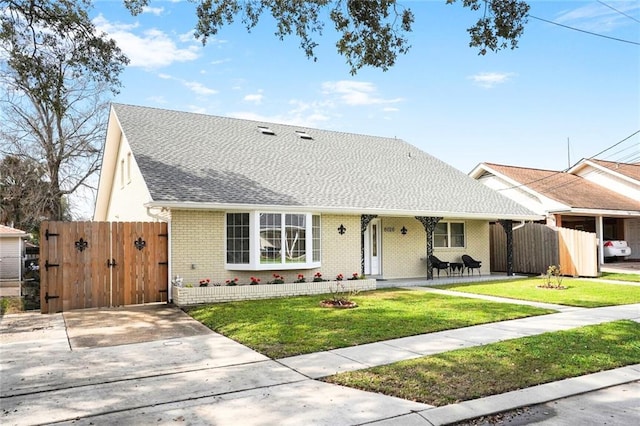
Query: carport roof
point(574, 191)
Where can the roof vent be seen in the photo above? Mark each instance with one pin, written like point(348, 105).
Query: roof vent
point(303, 134)
point(266, 130)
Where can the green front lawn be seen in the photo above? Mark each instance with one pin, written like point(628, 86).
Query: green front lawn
point(583, 293)
point(291, 326)
point(621, 277)
point(501, 367)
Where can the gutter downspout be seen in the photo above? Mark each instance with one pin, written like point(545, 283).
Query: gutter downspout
point(522, 223)
point(169, 274)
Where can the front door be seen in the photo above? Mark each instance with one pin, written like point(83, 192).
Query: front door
point(372, 249)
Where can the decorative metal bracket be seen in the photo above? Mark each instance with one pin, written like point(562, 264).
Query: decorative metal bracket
point(140, 243)
point(48, 265)
point(48, 234)
point(81, 245)
point(342, 229)
point(403, 231)
point(47, 297)
point(429, 224)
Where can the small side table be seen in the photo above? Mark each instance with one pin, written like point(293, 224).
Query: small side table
point(456, 267)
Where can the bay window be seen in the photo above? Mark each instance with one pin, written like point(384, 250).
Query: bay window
point(261, 240)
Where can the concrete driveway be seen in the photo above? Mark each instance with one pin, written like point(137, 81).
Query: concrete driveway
point(155, 365)
point(92, 328)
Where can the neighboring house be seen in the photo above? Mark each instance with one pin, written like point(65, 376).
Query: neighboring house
point(246, 198)
point(11, 254)
point(594, 196)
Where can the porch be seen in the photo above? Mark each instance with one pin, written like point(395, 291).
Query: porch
point(442, 280)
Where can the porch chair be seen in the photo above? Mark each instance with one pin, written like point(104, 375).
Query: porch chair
point(471, 264)
point(438, 264)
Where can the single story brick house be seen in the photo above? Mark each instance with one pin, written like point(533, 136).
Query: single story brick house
point(252, 199)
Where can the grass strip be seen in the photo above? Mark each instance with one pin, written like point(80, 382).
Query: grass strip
point(582, 293)
point(284, 327)
point(477, 372)
point(620, 277)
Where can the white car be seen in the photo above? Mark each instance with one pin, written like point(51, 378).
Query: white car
point(617, 248)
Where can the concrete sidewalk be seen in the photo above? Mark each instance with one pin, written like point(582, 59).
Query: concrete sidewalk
point(209, 379)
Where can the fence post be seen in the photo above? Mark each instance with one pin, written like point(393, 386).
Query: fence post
point(507, 225)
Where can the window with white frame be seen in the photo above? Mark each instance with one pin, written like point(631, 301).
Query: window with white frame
point(268, 240)
point(449, 234)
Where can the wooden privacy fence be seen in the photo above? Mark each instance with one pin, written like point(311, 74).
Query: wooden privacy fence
point(102, 264)
point(536, 247)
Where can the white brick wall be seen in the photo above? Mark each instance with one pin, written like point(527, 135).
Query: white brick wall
point(183, 296)
point(198, 240)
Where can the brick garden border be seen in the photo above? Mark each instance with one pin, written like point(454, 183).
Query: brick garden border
point(184, 296)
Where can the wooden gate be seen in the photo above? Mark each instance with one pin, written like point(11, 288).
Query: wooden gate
point(102, 264)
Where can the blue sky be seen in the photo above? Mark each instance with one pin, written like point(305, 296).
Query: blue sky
point(515, 107)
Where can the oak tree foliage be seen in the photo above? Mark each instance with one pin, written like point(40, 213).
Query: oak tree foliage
point(371, 32)
point(25, 195)
point(56, 71)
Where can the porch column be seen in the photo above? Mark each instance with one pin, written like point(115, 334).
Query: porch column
point(600, 237)
point(507, 225)
point(364, 223)
point(429, 224)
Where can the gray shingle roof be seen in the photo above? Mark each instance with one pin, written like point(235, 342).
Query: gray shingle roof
point(187, 157)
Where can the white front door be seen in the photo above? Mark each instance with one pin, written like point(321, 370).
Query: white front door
point(372, 248)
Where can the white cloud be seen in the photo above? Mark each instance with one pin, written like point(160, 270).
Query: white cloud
point(355, 92)
point(187, 37)
point(255, 98)
point(153, 10)
point(220, 61)
point(390, 109)
point(196, 87)
point(598, 17)
point(291, 118)
point(199, 88)
point(489, 80)
point(157, 99)
point(152, 49)
point(197, 109)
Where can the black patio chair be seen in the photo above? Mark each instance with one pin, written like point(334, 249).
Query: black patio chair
point(438, 264)
point(471, 264)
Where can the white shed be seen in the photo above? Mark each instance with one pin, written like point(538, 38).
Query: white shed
point(11, 253)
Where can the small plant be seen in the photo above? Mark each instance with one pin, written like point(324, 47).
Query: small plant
point(340, 296)
point(233, 281)
point(553, 278)
point(339, 277)
point(317, 277)
point(277, 279)
point(177, 281)
point(205, 282)
point(355, 276)
point(189, 285)
point(301, 279)
point(254, 281)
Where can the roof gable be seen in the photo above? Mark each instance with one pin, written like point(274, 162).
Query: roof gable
point(195, 158)
point(569, 189)
point(629, 170)
point(7, 231)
